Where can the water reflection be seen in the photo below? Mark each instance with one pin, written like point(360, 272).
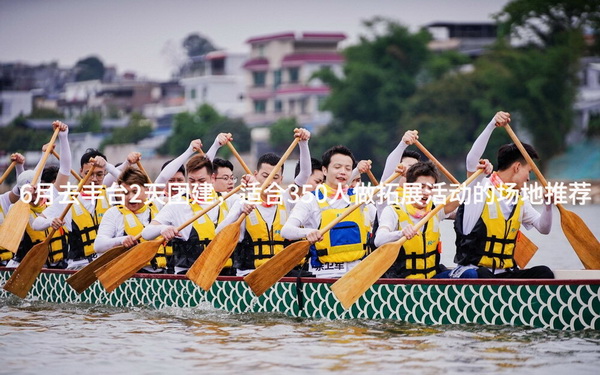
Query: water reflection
point(101, 339)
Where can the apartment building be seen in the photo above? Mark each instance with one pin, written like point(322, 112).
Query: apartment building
point(279, 77)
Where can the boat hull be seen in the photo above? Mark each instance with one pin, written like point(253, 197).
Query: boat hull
point(556, 304)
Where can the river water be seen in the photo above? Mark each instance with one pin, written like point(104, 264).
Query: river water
point(38, 337)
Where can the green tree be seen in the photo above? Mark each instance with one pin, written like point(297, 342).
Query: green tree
point(204, 124)
point(281, 133)
point(380, 73)
point(197, 45)
point(89, 68)
point(90, 121)
point(137, 129)
point(46, 113)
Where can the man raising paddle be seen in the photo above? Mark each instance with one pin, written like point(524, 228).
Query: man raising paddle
point(345, 244)
point(260, 233)
point(486, 229)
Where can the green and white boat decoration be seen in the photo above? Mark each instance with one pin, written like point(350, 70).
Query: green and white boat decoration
point(571, 302)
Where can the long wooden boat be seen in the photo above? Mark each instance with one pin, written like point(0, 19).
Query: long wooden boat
point(571, 302)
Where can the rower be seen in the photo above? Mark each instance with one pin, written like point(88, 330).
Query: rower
point(84, 217)
point(340, 249)
point(121, 223)
point(419, 256)
point(189, 243)
point(54, 178)
point(260, 233)
point(8, 198)
point(487, 229)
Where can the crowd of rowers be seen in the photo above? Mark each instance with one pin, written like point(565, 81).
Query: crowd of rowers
point(486, 231)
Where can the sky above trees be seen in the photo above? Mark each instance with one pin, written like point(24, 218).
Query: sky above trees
point(145, 36)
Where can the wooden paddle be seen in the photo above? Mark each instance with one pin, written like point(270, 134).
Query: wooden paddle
point(524, 248)
point(11, 231)
point(120, 269)
point(85, 277)
point(283, 262)
point(209, 264)
point(31, 265)
point(141, 167)
point(582, 239)
point(73, 173)
point(7, 171)
point(358, 280)
point(372, 178)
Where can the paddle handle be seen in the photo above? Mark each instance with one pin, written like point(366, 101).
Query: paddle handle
point(7, 172)
point(68, 207)
point(141, 167)
point(353, 207)
point(437, 209)
point(525, 154)
point(73, 173)
point(436, 162)
point(239, 158)
point(277, 167)
point(372, 178)
point(38, 172)
point(208, 208)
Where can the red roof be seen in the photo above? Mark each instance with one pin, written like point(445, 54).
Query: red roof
point(257, 63)
point(296, 59)
point(266, 38)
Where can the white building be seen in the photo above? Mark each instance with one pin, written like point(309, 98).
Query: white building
point(279, 73)
point(13, 104)
point(221, 84)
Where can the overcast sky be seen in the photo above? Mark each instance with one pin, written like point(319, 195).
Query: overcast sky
point(145, 36)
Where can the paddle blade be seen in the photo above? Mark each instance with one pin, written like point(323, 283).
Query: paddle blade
point(524, 250)
point(13, 227)
point(209, 264)
point(581, 238)
point(358, 280)
point(24, 276)
point(275, 268)
point(122, 268)
point(85, 277)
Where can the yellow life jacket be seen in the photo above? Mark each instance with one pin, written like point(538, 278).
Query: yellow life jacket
point(347, 240)
point(419, 256)
point(185, 253)
point(133, 227)
point(263, 243)
point(5, 255)
point(223, 207)
point(492, 241)
point(58, 245)
point(85, 226)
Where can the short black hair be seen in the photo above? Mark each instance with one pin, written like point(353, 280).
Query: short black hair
point(339, 149)
point(268, 158)
point(181, 168)
point(221, 163)
point(421, 168)
point(49, 174)
point(315, 165)
point(509, 153)
point(411, 154)
point(91, 153)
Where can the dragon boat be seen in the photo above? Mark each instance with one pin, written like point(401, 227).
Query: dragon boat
point(570, 302)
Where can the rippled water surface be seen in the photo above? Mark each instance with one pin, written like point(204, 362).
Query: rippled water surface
point(44, 338)
point(39, 337)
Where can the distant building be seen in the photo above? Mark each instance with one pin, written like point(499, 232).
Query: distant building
point(470, 38)
point(278, 74)
point(587, 104)
point(79, 97)
point(13, 104)
point(218, 81)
